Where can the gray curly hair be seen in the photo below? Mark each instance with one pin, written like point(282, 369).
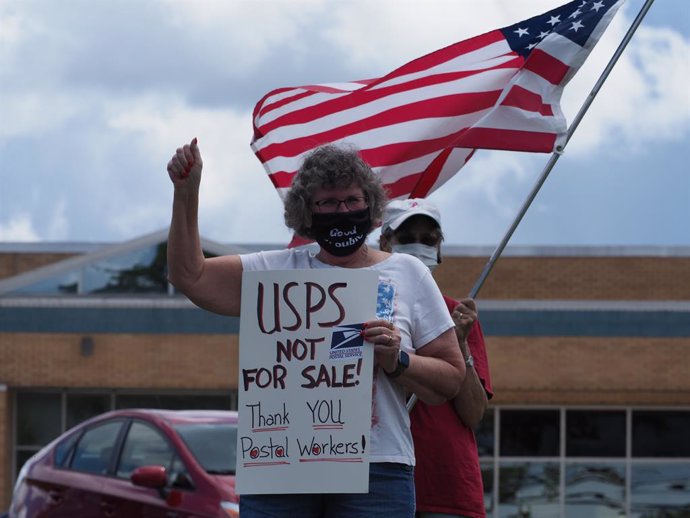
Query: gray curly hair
point(331, 167)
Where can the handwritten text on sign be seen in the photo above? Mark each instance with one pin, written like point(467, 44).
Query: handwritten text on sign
point(305, 381)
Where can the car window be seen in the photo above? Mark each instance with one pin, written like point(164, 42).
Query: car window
point(144, 446)
point(212, 444)
point(64, 448)
point(178, 476)
point(94, 450)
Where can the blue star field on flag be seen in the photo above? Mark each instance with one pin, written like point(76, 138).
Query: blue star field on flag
point(575, 20)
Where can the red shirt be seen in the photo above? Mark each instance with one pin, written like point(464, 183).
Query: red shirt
point(448, 478)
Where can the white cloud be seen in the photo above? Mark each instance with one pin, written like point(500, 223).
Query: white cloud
point(33, 113)
point(11, 30)
point(385, 34)
point(18, 228)
point(644, 100)
point(51, 225)
point(58, 223)
point(492, 175)
point(235, 193)
point(251, 31)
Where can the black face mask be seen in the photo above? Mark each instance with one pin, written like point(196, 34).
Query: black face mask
point(341, 233)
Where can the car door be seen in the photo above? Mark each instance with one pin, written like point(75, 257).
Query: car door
point(143, 445)
point(74, 483)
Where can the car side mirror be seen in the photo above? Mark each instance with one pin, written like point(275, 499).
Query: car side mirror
point(155, 477)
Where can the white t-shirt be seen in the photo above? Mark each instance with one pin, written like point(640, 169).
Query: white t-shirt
point(407, 294)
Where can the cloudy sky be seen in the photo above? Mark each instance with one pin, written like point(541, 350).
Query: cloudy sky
point(95, 95)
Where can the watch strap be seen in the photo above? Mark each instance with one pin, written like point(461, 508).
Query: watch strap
point(403, 364)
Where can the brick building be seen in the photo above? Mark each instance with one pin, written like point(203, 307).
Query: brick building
point(588, 350)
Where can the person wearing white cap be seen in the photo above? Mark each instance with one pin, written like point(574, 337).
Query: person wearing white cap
point(448, 481)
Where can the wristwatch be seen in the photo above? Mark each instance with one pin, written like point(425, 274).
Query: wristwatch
point(403, 364)
point(469, 361)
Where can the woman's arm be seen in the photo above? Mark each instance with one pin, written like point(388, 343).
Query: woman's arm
point(213, 284)
point(471, 401)
point(435, 372)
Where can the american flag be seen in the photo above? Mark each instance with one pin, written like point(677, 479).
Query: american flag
point(418, 125)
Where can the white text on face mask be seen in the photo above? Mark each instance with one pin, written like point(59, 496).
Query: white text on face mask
point(425, 253)
point(344, 244)
point(342, 233)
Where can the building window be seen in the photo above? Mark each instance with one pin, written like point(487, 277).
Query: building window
point(38, 422)
point(175, 402)
point(579, 463)
point(139, 271)
point(528, 489)
point(529, 433)
point(595, 433)
point(38, 418)
point(661, 434)
point(66, 284)
point(484, 434)
point(660, 490)
point(81, 407)
point(595, 489)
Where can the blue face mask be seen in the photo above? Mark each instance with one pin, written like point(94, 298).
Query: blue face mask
point(425, 253)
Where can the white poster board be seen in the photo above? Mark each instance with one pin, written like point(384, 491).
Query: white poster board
point(305, 381)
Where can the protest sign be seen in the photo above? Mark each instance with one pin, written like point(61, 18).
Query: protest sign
point(305, 381)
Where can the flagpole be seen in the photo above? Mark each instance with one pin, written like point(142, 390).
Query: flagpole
point(559, 151)
point(553, 159)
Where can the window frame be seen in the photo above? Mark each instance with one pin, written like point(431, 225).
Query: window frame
point(171, 445)
point(492, 463)
point(115, 449)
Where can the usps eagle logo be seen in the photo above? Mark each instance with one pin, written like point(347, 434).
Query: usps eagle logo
point(346, 342)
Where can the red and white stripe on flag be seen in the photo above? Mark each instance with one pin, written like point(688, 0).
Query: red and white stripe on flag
point(418, 125)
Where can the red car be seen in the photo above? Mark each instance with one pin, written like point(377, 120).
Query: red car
point(129, 463)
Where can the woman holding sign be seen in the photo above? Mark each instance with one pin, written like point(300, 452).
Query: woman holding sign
point(336, 200)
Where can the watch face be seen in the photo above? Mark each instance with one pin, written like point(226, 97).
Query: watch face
point(404, 359)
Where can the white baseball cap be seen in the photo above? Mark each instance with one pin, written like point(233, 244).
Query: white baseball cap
point(398, 211)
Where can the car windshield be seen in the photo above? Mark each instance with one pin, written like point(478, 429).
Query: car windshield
point(212, 444)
